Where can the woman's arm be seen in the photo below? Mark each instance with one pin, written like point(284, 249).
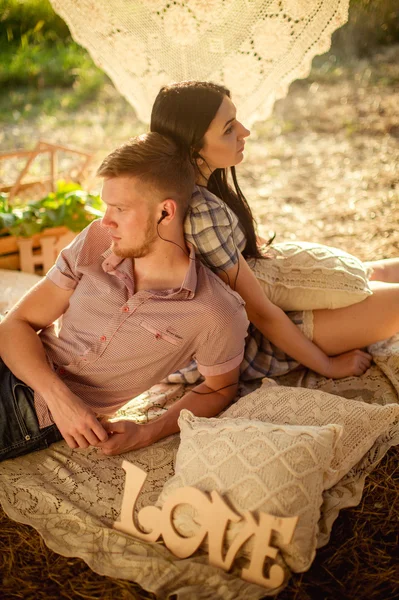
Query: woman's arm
point(276, 326)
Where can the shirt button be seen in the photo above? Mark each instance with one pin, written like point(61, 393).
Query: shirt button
point(125, 309)
point(103, 338)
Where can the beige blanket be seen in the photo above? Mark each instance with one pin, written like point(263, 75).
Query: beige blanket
point(73, 497)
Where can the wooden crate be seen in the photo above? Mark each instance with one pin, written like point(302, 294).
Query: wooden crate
point(40, 187)
point(38, 253)
point(35, 254)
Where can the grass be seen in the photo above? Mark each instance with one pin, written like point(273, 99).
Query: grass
point(37, 55)
point(24, 20)
point(42, 65)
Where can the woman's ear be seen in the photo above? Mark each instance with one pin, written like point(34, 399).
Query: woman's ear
point(198, 158)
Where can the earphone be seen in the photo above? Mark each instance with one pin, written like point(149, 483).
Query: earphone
point(164, 214)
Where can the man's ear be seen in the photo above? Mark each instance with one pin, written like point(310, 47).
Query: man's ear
point(167, 209)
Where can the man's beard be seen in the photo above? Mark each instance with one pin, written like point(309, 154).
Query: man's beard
point(150, 237)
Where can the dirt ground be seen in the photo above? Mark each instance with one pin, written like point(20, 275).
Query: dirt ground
point(326, 168)
point(323, 168)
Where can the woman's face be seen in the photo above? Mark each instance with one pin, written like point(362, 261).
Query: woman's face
point(225, 139)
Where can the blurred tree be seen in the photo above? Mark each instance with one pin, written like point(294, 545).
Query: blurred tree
point(372, 23)
point(30, 21)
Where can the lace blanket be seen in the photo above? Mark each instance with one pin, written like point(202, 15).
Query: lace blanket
point(73, 497)
point(255, 48)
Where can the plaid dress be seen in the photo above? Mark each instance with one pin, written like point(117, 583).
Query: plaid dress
point(214, 231)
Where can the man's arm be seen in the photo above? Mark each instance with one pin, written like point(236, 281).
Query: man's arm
point(22, 351)
point(205, 400)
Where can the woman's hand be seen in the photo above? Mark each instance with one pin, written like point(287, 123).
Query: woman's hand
point(352, 363)
point(124, 436)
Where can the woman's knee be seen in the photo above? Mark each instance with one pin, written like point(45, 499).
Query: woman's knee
point(386, 270)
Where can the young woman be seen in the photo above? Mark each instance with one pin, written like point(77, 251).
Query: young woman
point(219, 223)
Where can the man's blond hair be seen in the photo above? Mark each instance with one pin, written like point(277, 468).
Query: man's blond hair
point(157, 161)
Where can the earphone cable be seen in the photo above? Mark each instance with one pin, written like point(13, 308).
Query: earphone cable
point(214, 391)
point(231, 227)
point(182, 249)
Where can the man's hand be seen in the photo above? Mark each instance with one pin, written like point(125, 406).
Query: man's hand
point(77, 423)
point(354, 362)
point(123, 436)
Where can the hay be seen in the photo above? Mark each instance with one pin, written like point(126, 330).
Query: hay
point(30, 570)
point(360, 561)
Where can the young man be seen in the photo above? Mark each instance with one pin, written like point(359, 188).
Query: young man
point(135, 306)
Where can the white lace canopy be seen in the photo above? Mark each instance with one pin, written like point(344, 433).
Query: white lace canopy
point(254, 47)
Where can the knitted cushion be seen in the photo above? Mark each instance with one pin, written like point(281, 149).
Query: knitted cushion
point(307, 276)
point(362, 423)
point(276, 469)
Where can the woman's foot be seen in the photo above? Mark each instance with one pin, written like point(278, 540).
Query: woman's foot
point(386, 270)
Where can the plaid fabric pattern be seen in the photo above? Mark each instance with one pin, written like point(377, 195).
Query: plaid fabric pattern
point(261, 358)
point(214, 231)
point(213, 228)
point(114, 343)
point(264, 359)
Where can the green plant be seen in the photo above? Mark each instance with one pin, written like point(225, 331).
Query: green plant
point(38, 52)
point(27, 21)
point(69, 205)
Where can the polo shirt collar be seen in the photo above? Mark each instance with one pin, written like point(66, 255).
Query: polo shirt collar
point(111, 263)
point(111, 260)
point(190, 281)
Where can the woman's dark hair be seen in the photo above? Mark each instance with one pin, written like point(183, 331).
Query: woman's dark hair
point(184, 112)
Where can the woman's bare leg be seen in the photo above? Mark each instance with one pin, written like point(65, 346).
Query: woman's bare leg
point(386, 270)
point(374, 319)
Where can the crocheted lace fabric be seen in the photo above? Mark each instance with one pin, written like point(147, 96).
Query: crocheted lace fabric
point(308, 276)
point(256, 48)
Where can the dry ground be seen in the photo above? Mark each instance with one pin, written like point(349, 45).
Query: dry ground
point(323, 168)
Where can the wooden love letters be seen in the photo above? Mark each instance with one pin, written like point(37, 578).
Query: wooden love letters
point(213, 515)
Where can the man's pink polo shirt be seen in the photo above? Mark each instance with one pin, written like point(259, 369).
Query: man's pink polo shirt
point(112, 343)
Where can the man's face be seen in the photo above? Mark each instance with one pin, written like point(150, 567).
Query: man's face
point(130, 216)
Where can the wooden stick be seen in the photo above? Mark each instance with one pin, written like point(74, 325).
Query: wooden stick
point(15, 153)
point(53, 168)
point(32, 157)
point(26, 184)
point(84, 167)
point(41, 148)
point(64, 148)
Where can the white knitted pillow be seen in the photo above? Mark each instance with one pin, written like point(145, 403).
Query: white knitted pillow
point(307, 276)
point(276, 469)
point(362, 423)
